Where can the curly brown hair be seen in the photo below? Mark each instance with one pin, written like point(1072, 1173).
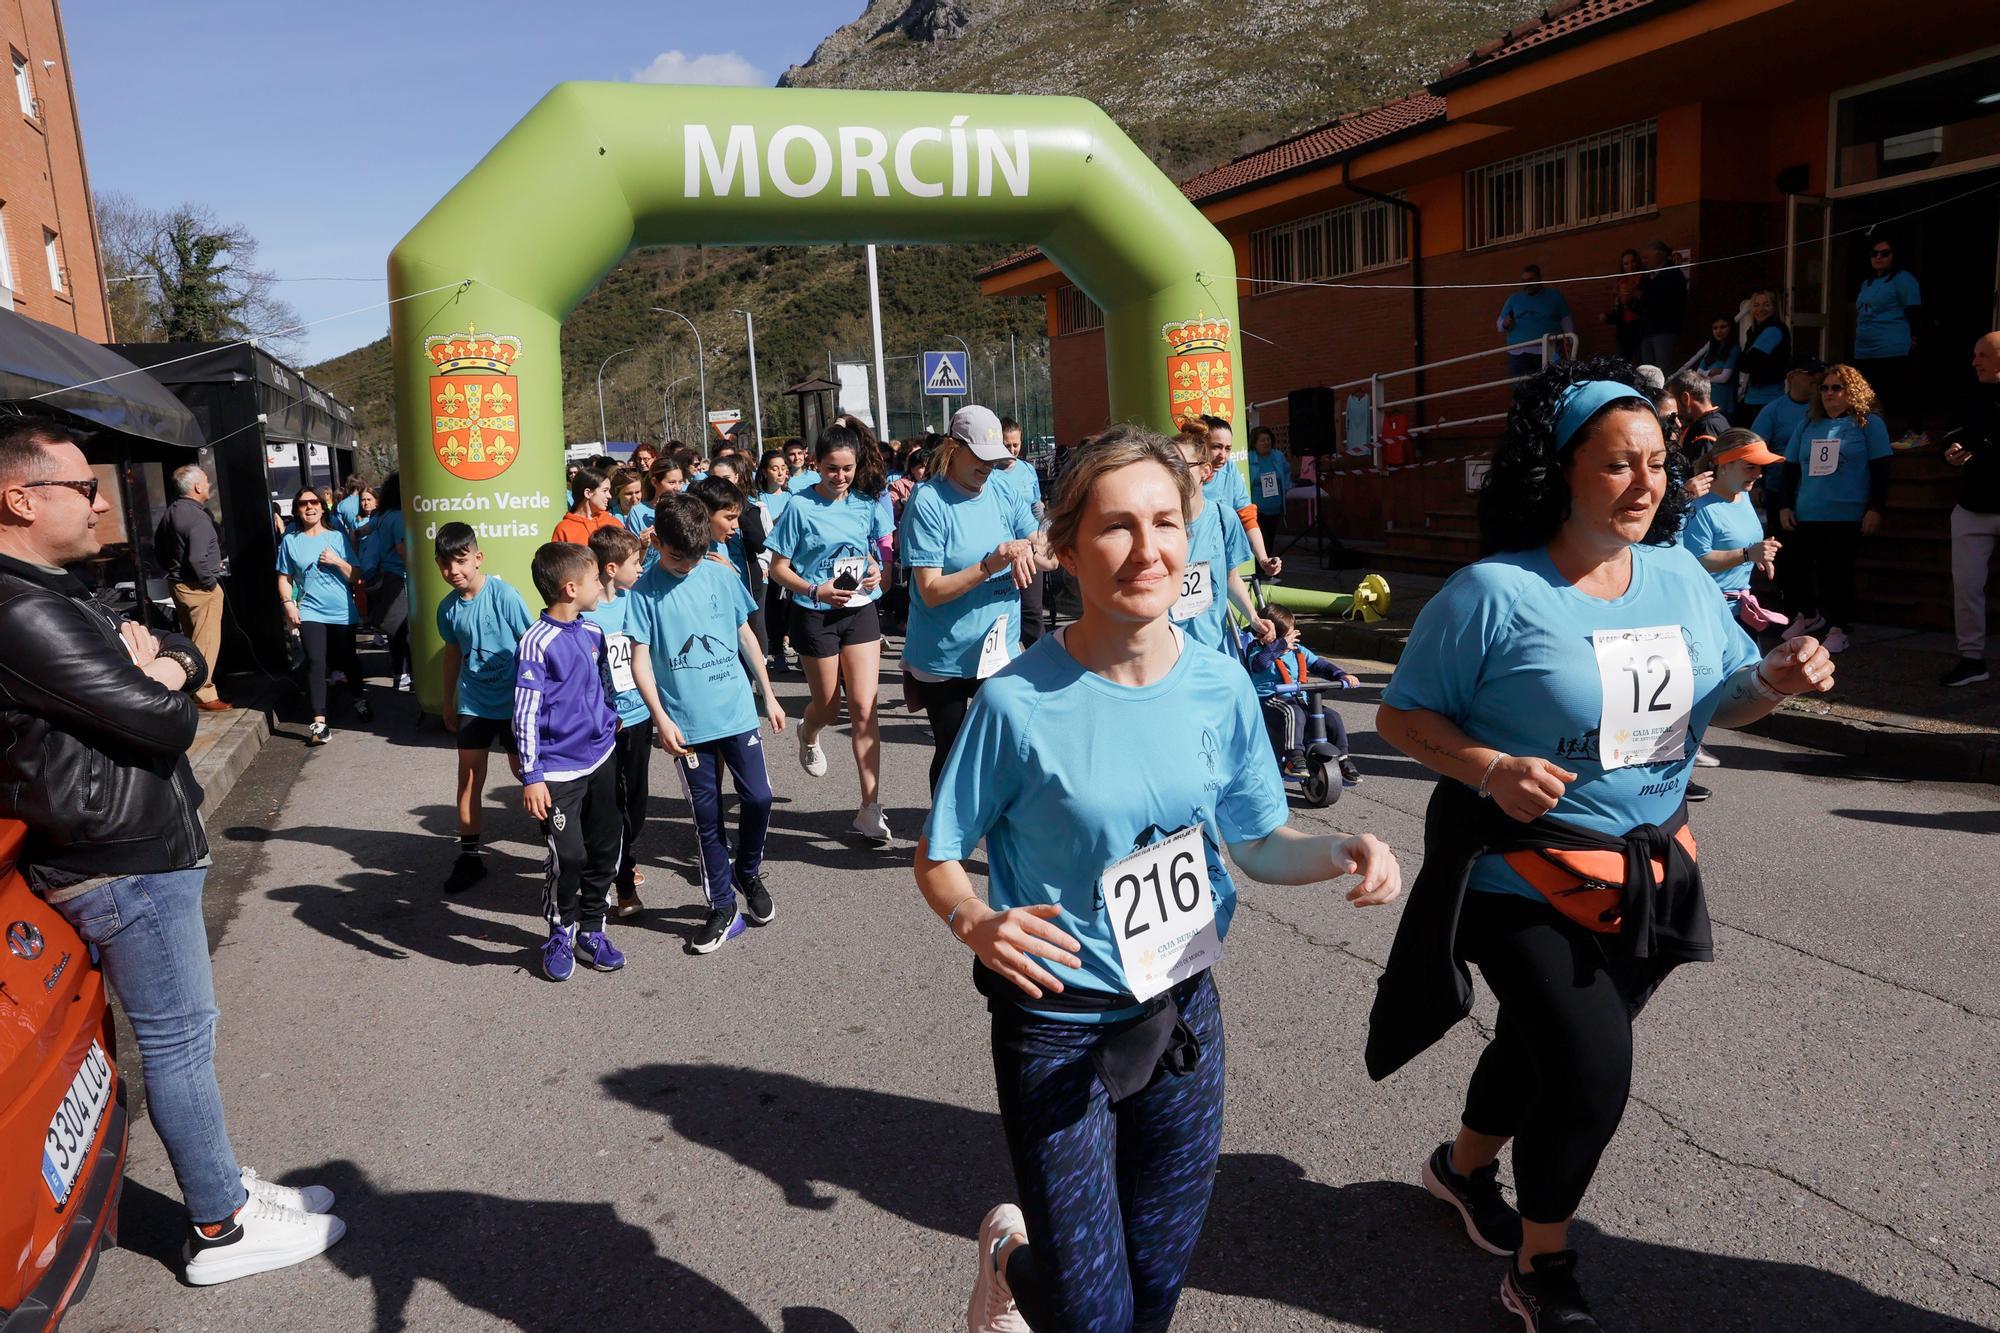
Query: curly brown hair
point(1860, 395)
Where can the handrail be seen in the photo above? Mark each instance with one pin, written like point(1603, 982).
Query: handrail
point(1377, 404)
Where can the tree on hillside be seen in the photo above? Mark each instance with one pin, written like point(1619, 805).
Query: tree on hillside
point(182, 275)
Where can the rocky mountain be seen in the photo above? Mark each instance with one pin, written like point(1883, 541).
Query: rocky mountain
point(1194, 82)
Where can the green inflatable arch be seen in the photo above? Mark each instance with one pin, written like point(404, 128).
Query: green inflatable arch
point(595, 170)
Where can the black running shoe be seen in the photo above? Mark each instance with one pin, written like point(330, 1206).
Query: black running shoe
point(1697, 793)
point(466, 871)
point(722, 926)
point(1548, 1300)
point(757, 909)
point(1490, 1221)
point(1966, 671)
point(1350, 776)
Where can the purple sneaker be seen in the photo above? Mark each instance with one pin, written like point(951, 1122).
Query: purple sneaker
point(596, 951)
point(559, 954)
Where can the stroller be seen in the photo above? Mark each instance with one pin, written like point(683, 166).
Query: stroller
point(1319, 784)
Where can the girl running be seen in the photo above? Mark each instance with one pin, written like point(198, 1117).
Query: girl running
point(1105, 769)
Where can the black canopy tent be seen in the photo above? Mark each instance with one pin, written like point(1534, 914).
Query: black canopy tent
point(134, 434)
point(271, 430)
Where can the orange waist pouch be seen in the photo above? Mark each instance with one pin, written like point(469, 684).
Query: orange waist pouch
point(1586, 887)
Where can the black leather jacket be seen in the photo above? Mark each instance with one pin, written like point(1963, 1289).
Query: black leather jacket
point(93, 753)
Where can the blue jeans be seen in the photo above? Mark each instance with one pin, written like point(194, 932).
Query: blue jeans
point(149, 934)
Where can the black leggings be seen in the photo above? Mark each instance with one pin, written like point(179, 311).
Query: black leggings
point(777, 619)
point(328, 645)
point(945, 702)
point(1556, 1074)
point(1825, 566)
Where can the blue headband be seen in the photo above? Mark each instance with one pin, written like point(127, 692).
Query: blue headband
point(1585, 399)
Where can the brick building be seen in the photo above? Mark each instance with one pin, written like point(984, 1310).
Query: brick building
point(1756, 137)
point(49, 255)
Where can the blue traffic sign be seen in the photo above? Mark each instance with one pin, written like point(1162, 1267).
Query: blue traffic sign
point(944, 374)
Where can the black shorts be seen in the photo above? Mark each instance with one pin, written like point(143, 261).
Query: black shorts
point(479, 733)
point(825, 633)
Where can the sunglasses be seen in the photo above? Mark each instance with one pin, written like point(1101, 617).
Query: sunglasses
point(1833, 388)
point(87, 489)
point(1884, 254)
point(315, 504)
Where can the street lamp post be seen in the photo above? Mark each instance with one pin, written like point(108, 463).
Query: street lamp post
point(700, 363)
point(667, 396)
point(968, 368)
point(756, 403)
point(602, 437)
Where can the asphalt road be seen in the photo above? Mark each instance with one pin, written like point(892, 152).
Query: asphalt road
point(798, 1132)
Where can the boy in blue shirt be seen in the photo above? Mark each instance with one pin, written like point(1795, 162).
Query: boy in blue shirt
point(567, 733)
point(1283, 662)
point(480, 625)
point(690, 624)
point(619, 563)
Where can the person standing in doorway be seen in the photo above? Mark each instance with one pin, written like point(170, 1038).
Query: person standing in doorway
point(1975, 520)
point(1529, 315)
point(1663, 299)
point(190, 551)
point(1885, 314)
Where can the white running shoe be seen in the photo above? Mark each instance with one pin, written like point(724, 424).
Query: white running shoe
point(403, 683)
point(811, 758)
point(871, 823)
point(1703, 759)
point(307, 1198)
point(991, 1309)
point(1836, 640)
point(264, 1235)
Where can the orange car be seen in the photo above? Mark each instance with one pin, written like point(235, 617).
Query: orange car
point(62, 1108)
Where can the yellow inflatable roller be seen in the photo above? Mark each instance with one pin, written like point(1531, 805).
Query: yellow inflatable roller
point(1368, 602)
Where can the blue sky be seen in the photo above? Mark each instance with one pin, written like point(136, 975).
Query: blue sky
point(328, 129)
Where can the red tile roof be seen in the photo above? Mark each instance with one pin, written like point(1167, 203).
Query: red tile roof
point(1302, 152)
point(1559, 25)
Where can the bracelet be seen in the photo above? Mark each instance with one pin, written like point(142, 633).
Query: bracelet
point(1487, 776)
point(1765, 689)
point(951, 917)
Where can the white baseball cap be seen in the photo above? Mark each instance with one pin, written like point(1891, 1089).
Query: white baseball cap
point(980, 430)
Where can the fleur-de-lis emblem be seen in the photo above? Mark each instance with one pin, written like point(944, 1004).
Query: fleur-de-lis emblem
point(497, 400)
point(451, 451)
point(500, 451)
point(451, 400)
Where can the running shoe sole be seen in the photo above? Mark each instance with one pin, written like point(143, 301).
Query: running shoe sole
point(735, 928)
point(1443, 1191)
point(1512, 1301)
point(217, 1271)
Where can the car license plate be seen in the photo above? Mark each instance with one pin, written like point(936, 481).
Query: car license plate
point(74, 1127)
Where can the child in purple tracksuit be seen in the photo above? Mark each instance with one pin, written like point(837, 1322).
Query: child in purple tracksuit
point(565, 729)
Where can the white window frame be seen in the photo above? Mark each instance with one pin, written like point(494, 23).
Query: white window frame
point(24, 84)
point(52, 247)
point(1545, 193)
point(1341, 242)
point(6, 255)
point(1075, 312)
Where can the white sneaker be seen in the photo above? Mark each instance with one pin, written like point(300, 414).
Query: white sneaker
point(1703, 759)
point(871, 823)
point(266, 1235)
point(811, 758)
point(307, 1198)
point(991, 1309)
point(403, 683)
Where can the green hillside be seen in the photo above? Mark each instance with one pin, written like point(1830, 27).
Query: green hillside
point(1194, 81)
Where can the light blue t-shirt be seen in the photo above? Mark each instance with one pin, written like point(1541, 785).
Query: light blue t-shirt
point(1722, 394)
point(323, 594)
point(1227, 489)
point(1216, 536)
point(379, 539)
point(347, 514)
point(638, 519)
point(1716, 524)
point(1842, 495)
point(947, 529)
point(797, 483)
point(814, 532)
point(1881, 318)
point(611, 615)
point(487, 628)
point(1778, 420)
point(1270, 498)
point(1504, 651)
point(689, 628)
point(1021, 478)
point(1535, 314)
point(1767, 342)
point(1064, 773)
point(775, 504)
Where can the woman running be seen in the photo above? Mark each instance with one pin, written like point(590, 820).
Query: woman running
point(822, 552)
point(1560, 686)
point(970, 548)
point(1105, 769)
point(315, 587)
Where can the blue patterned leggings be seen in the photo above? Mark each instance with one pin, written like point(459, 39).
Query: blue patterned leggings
point(1114, 1197)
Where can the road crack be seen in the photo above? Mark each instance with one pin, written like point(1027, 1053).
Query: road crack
point(1858, 971)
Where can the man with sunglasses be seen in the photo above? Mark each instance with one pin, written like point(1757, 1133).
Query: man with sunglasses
point(97, 716)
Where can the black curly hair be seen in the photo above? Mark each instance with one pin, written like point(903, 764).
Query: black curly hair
point(1526, 495)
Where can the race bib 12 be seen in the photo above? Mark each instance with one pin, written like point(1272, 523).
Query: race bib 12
point(1647, 684)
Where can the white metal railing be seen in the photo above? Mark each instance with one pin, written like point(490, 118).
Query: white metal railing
point(1546, 347)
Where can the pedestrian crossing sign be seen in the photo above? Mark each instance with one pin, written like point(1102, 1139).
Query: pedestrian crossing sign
point(944, 374)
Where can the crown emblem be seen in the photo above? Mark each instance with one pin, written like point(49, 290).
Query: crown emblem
point(1189, 336)
point(453, 353)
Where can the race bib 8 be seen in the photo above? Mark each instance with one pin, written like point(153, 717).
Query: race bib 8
point(1197, 591)
point(1647, 684)
point(618, 648)
point(993, 648)
point(1162, 913)
point(1823, 457)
